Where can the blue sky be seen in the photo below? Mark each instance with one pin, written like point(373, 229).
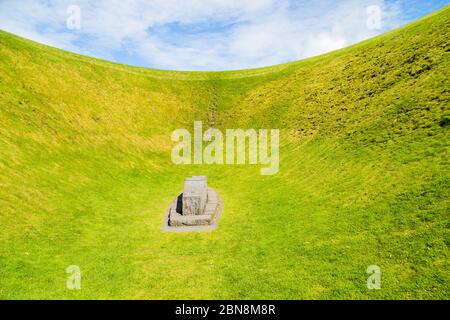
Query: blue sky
point(206, 34)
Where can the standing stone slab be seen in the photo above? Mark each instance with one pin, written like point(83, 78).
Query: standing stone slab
point(195, 196)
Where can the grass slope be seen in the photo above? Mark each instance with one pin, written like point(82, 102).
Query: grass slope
point(86, 176)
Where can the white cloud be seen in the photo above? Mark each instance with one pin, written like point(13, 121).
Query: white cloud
point(198, 34)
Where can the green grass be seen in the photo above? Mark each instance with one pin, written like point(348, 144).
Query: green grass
point(86, 176)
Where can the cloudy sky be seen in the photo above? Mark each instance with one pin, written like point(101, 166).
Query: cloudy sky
point(206, 34)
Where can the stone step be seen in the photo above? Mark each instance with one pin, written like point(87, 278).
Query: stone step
point(210, 208)
point(177, 219)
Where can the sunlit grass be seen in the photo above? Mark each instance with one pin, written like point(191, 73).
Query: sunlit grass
point(86, 176)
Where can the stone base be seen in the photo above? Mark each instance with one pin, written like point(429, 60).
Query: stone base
point(176, 222)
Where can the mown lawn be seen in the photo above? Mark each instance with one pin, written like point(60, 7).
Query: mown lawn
point(86, 176)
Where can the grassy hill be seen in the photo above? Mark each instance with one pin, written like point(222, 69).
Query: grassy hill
point(86, 175)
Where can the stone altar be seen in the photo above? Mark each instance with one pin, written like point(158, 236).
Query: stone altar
point(197, 208)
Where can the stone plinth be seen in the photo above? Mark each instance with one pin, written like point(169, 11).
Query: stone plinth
point(198, 208)
point(211, 209)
